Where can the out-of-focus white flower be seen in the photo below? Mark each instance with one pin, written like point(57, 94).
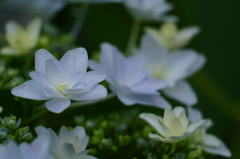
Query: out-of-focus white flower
point(148, 10)
point(173, 68)
point(60, 81)
point(95, 1)
point(45, 9)
point(68, 145)
point(168, 35)
point(38, 149)
point(173, 127)
point(128, 79)
point(21, 40)
point(211, 144)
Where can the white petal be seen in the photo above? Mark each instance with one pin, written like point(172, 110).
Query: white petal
point(179, 64)
point(57, 105)
point(221, 149)
point(78, 131)
point(92, 78)
point(64, 134)
point(33, 30)
point(194, 114)
point(182, 92)
point(156, 122)
point(185, 35)
point(73, 61)
point(135, 72)
point(159, 138)
point(194, 126)
point(8, 51)
point(30, 90)
point(149, 85)
point(38, 149)
point(96, 92)
point(197, 64)
point(42, 80)
point(54, 75)
point(40, 60)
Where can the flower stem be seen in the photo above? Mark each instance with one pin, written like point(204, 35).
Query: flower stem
point(133, 37)
point(81, 104)
point(173, 148)
point(79, 21)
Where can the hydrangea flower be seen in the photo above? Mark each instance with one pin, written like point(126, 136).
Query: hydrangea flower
point(210, 143)
point(128, 79)
point(170, 36)
point(173, 127)
point(38, 149)
point(21, 40)
point(173, 68)
point(69, 144)
point(59, 81)
point(148, 10)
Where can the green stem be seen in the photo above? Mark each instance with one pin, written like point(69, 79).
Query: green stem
point(173, 148)
point(36, 115)
point(133, 37)
point(79, 21)
point(218, 96)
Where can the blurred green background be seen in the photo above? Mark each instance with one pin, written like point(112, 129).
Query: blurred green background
point(217, 84)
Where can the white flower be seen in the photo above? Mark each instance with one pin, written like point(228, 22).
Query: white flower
point(173, 127)
point(45, 9)
point(68, 145)
point(128, 79)
point(60, 81)
point(96, 1)
point(168, 35)
point(211, 144)
point(38, 149)
point(21, 40)
point(148, 10)
point(173, 68)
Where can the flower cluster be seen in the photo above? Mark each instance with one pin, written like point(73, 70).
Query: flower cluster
point(150, 75)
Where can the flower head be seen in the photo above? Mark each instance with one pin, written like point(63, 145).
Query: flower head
point(128, 78)
point(21, 40)
point(38, 149)
point(173, 127)
point(148, 10)
point(172, 68)
point(69, 144)
point(210, 143)
point(59, 81)
point(168, 35)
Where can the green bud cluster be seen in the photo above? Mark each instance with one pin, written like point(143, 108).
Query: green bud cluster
point(10, 130)
point(124, 135)
point(9, 77)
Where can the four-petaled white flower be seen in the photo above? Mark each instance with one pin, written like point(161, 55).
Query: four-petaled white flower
point(173, 127)
point(148, 10)
point(168, 35)
point(210, 143)
point(60, 81)
point(173, 68)
point(38, 149)
point(21, 40)
point(128, 79)
point(68, 145)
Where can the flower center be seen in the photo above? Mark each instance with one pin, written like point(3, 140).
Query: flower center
point(61, 87)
